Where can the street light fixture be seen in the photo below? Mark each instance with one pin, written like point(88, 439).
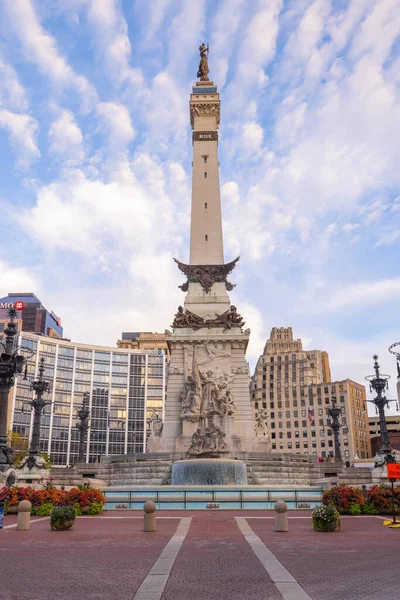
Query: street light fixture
point(83, 415)
point(378, 383)
point(334, 413)
point(40, 387)
point(11, 365)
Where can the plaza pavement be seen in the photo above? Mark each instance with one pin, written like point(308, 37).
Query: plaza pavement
point(199, 555)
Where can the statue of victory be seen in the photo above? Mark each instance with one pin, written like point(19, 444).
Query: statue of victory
point(203, 71)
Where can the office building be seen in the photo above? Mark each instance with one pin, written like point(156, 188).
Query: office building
point(34, 316)
point(143, 340)
point(123, 386)
point(293, 386)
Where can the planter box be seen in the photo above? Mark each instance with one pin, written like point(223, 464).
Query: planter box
point(62, 525)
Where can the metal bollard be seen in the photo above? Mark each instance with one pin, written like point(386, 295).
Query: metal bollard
point(281, 518)
point(149, 516)
point(24, 515)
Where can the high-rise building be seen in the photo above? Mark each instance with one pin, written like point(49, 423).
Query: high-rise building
point(293, 386)
point(34, 317)
point(143, 340)
point(124, 387)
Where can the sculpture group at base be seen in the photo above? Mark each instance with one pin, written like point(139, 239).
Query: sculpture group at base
point(209, 441)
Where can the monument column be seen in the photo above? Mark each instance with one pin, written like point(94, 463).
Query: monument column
point(208, 409)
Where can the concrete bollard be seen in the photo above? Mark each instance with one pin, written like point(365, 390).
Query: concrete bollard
point(281, 518)
point(24, 515)
point(149, 516)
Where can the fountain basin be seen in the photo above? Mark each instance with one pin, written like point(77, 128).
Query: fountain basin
point(209, 471)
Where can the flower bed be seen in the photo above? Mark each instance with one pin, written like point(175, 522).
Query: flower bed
point(78, 498)
point(376, 500)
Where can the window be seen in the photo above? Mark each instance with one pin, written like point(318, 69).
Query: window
point(273, 435)
point(281, 435)
point(205, 174)
point(304, 423)
point(205, 158)
point(288, 414)
point(305, 434)
point(273, 446)
point(330, 444)
point(296, 434)
point(288, 424)
point(296, 423)
point(289, 434)
point(320, 412)
point(206, 237)
point(205, 204)
point(272, 425)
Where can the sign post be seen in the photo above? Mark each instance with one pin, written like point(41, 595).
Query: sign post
point(393, 474)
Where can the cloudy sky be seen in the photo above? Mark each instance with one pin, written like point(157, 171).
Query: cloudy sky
point(95, 146)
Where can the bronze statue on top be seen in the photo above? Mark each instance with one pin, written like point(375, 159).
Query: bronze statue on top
point(203, 71)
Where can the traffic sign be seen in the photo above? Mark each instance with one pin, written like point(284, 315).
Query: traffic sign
point(393, 471)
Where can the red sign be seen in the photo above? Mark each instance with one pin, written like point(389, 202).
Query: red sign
point(58, 321)
point(19, 305)
point(394, 471)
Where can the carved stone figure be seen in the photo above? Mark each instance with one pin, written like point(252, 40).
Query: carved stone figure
point(196, 442)
point(260, 425)
point(209, 392)
point(203, 65)
point(207, 275)
point(185, 318)
point(6, 455)
point(155, 424)
point(190, 401)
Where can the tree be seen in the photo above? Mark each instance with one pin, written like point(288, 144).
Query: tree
point(19, 445)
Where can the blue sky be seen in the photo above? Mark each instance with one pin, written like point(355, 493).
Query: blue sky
point(95, 143)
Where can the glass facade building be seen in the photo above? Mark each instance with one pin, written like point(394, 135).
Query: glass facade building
point(123, 386)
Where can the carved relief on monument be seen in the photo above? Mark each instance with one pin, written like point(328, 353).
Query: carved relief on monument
point(207, 275)
point(175, 371)
point(155, 424)
point(230, 318)
point(208, 384)
point(204, 109)
point(240, 370)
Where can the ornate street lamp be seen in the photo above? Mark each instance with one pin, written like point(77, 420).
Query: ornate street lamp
point(379, 383)
point(11, 365)
point(334, 413)
point(83, 415)
point(40, 387)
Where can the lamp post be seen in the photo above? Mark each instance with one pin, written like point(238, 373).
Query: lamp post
point(83, 415)
point(40, 387)
point(378, 383)
point(11, 365)
point(334, 413)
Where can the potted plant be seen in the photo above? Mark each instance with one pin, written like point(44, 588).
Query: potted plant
point(62, 517)
point(325, 518)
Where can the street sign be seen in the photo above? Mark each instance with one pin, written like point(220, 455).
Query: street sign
point(394, 471)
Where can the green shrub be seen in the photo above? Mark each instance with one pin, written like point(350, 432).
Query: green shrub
point(96, 508)
point(44, 510)
point(78, 510)
point(60, 515)
point(370, 508)
point(342, 496)
point(354, 509)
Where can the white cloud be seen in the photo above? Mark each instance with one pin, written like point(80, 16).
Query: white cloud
point(15, 278)
point(224, 27)
point(66, 140)
point(112, 41)
point(116, 123)
point(364, 293)
point(12, 93)
point(22, 130)
point(40, 48)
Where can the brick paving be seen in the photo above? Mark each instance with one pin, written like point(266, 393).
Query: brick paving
point(108, 558)
point(97, 559)
point(215, 561)
point(357, 563)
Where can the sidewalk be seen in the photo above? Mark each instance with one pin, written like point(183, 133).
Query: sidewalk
point(110, 557)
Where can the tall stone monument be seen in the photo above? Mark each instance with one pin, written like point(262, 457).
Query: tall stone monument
point(208, 411)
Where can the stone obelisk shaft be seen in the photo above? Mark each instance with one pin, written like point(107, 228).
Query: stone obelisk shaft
point(206, 247)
